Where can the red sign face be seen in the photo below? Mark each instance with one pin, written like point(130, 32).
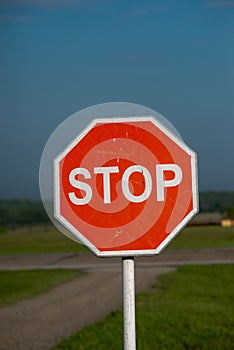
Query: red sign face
point(125, 186)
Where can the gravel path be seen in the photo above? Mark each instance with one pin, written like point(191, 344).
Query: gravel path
point(39, 323)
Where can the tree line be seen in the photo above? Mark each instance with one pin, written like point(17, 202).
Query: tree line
point(16, 212)
point(212, 201)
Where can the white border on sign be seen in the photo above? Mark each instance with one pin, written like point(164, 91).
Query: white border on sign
point(78, 235)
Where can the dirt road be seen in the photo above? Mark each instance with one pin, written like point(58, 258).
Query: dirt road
point(39, 323)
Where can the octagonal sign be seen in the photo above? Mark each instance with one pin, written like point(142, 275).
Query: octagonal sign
point(125, 186)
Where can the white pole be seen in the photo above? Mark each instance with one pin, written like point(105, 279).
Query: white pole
point(129, 303)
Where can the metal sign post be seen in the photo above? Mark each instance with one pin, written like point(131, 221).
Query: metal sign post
point(129, 324)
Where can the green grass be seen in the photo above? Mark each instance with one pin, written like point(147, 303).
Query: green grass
point(204, 237)
point(190, 309)
point(38, 241)
point(53, 241)
point(17, 285)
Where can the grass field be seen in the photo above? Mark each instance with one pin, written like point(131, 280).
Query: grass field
point(17, 285)
point(204, 237)
point(52, 241)
point(37, 241)
point(190, 309)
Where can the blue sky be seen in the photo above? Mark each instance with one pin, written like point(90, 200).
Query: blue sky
point(57, 57)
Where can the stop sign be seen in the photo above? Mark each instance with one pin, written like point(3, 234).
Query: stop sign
point(125, 186)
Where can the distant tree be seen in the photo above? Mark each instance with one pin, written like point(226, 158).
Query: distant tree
point(5, 216)
point(14, 212)
point(230, 213)
point(216, 201)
